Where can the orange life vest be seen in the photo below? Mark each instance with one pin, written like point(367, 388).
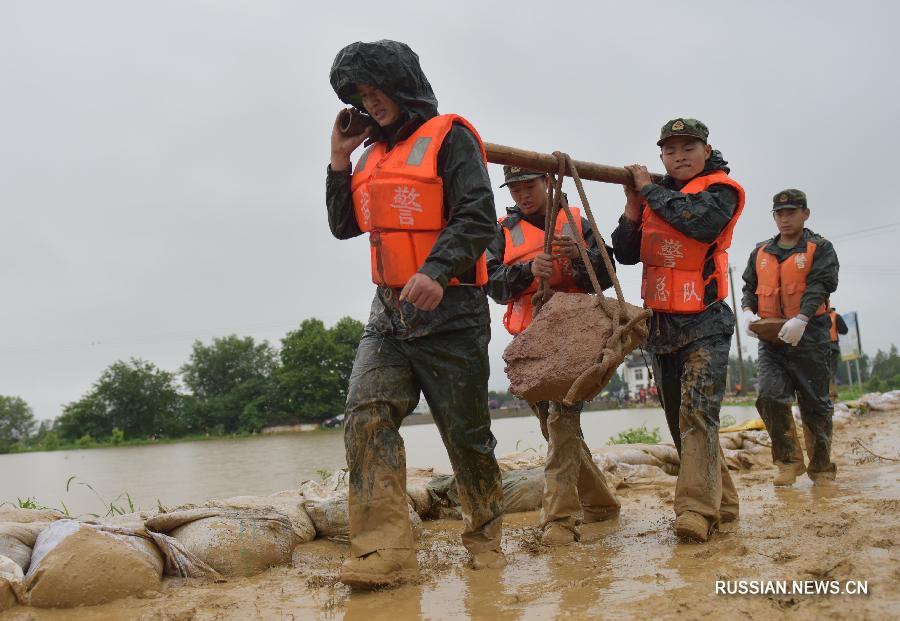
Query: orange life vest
point(673, 279)
point(524, 242)
point(833, 332)
point(398, 198)
point(780, 286)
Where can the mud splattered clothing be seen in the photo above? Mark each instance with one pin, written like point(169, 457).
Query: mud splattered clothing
point(785, 371)
point(406, 352)
point(691, 385)
point(690, 351)
point(389, 374)
point(803, 370)
point(575, 489)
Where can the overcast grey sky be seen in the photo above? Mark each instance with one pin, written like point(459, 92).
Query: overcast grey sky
point(162, 162)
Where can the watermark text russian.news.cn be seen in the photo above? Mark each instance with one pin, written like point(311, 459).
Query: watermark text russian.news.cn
point(792, 587)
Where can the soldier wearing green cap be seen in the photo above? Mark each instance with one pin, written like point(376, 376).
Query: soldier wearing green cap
point(575, 489)
point(791, 277)
point(680, 229)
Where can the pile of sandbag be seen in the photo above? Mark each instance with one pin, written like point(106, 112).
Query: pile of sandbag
point(65, 562)
point(881, 401)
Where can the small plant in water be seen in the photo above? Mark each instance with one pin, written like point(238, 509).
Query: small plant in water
point(113, 507)
point(636, 435)
point(727, 420)
point(28, 503)
point(325, 473)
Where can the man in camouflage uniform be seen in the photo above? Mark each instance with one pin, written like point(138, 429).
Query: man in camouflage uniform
point(799, 363)
point(689, 350)
point(434, 344)
point(575, 490)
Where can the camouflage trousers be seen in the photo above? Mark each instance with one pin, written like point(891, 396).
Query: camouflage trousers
point(804, 371)
point(451, 370)
point(575, 490)
point(691, 383)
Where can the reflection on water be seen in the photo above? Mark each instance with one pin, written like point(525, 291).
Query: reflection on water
point(194, 471)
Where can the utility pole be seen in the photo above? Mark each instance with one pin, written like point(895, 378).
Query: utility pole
point(737, 331)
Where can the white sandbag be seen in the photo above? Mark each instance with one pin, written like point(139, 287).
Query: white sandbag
point(882, 401)
point(644, 475)
point(417, 490)
point(79, 564)
point(520, 460)
point(331, 515)
point(629, 454)
point(11, 583)
point(665, 453)
point(24, 516)
point(523, 490)
point(238, 536)
point(17, 539)
point(730, 441)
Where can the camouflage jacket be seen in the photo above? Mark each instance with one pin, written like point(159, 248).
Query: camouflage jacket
point(701, 216)
point(821, 282)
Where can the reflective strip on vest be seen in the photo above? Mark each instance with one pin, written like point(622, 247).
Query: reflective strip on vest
point(362, 160)
point(517, 235)
point(417, 153)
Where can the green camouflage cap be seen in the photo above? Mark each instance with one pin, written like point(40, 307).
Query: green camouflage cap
point(788, 199)
point(683, 127)
point(513, 174)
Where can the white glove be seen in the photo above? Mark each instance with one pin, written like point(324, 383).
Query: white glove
point(792, 331)
point(748, 317)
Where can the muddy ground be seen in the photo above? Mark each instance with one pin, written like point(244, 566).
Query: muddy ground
point(631, 568)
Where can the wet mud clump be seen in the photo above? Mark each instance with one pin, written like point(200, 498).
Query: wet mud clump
point(566, 338)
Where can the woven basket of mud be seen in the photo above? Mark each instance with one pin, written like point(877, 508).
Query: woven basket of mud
point(572, 348)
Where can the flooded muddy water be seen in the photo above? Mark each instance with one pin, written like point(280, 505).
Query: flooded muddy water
point(194, 471)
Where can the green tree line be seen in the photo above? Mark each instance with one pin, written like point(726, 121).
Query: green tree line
point(231, 385)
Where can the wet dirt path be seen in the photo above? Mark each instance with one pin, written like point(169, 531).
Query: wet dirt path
point(632, 568)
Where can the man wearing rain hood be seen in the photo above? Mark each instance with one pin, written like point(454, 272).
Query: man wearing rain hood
point(422, 193)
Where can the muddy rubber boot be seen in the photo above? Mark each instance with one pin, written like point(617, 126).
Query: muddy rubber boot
point(788, 473)
point(489, 559)
point(692, 526)
point(382, 568)
point(556, 534)
point(822, 478)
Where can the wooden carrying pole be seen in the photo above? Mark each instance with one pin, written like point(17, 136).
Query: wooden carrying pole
point(544, 162)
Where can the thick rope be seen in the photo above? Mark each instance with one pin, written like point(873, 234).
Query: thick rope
point(617, 344)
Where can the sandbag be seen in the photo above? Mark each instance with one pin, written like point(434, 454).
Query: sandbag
point(644, 475)
point(24, 516)
point(11, 587)
point(882, 401)
point(565, 339)
point(523, 490)
point(521, 460)
point(17, 539)
point(238, 536)
point(630, 454)
point(417, 490)
point(330, 512)
point(79, 564)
